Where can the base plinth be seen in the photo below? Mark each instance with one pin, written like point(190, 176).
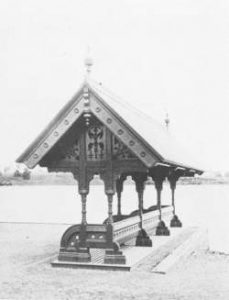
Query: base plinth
point(162, 229)
point(175, 222)
point(143, 239)
point(80, 255)
point(114, 257)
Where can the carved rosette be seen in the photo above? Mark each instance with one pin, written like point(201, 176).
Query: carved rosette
point(72, 152)
point(119, 150)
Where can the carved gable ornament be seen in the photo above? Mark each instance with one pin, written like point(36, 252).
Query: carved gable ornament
point(126, 144)
point(92, 103)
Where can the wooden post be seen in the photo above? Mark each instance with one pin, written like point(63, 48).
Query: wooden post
point(140, 206)
point(84, 194)
point(83, 177)
point(173, 177)
point(158, 181)
point(173, 200)
point(158, 185)
point(113, 255)
point(110, 206)
point(83, 252)
point(84, 181)
point(140, 186)
point(119, 211)
point(119, 189)
point(142, 237)
point(159, 176)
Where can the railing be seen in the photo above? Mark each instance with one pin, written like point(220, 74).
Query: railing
point(123, 231)
point(128, 229)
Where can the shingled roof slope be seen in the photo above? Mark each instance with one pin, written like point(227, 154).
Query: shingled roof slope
point(149, 130)
point(152, 131)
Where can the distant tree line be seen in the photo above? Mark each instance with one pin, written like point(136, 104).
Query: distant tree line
point(25, 174)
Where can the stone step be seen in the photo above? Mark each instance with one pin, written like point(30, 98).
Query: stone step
point(198, 240)
point(143, 258)
point(164, 246)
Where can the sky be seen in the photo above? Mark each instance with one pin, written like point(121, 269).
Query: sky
point(160, 55)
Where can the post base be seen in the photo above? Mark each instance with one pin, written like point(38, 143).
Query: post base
point(143, 239)
point(114, 257)
point(162, 229)
point(80, 255)
point(175, 222)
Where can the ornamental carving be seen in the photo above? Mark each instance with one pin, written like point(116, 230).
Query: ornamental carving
point(119, 150)
point(95, 142)
point(71, 152)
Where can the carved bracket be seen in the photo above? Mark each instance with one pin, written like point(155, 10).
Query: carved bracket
point(109, 180)
point(158, 174)
point(173, 177)
point(119, 183)
point(83, 181)
point(139, 179)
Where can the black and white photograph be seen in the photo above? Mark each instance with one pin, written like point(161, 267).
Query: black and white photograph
point(114, 157)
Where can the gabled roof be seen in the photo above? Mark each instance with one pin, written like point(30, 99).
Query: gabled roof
point(154, 143)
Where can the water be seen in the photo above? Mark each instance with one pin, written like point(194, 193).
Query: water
point(201, 205)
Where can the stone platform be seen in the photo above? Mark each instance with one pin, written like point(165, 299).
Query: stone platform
point(180, 243)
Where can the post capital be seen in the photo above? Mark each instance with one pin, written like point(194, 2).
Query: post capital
point(119, 183)
point(173, 177)
point(83, 191)
point(109, 192)
point(158, 180)
point(139, 179)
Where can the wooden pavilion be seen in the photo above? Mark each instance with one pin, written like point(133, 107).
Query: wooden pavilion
point(96, 133)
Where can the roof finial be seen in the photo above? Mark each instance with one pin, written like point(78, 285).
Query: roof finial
point(88, 62)
point(167, 121)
